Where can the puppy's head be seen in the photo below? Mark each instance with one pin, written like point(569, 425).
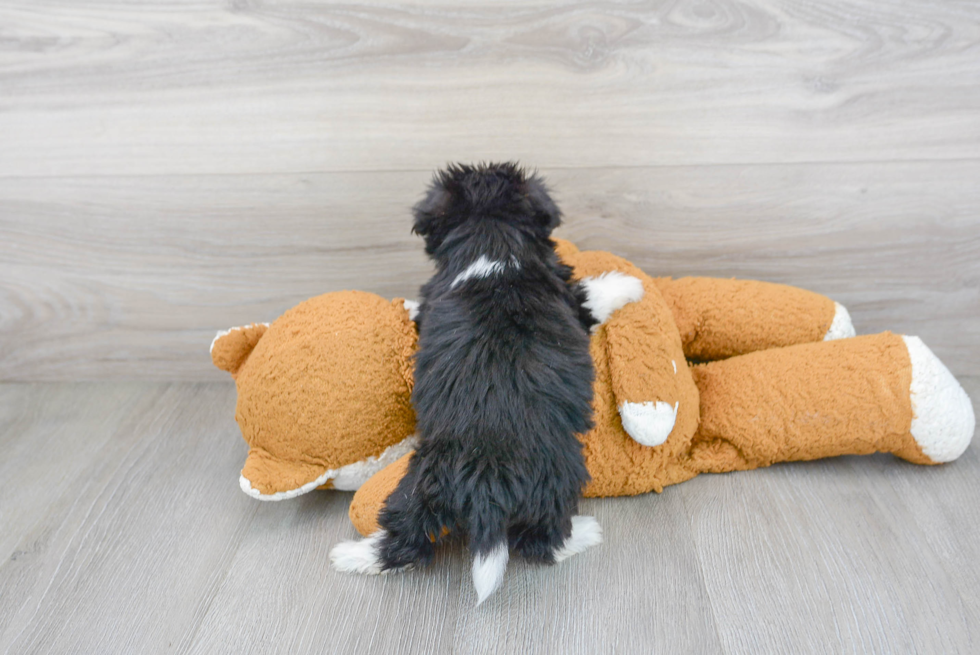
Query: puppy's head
point(486, 192)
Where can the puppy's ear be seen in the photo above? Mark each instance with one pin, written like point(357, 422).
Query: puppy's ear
point(428, 210)
point(432, 213)
point(546, 212)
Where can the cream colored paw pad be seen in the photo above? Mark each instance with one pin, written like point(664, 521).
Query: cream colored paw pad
point(943, 421)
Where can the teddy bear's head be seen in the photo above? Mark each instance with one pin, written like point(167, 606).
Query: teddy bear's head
point(323, 393)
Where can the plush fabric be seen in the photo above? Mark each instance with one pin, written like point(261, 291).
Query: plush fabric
point(699, 376)
point(327, 385)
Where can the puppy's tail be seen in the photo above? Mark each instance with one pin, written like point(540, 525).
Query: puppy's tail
point(489, 545)
point(488, 569)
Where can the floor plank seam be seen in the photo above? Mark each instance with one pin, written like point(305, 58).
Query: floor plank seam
point(701, 575)
point(544, 167)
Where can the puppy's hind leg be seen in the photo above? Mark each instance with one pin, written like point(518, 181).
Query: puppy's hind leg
point(409, 531)
point(363, 556)
point(551, 544)
point(538, 541)
point(586, 532)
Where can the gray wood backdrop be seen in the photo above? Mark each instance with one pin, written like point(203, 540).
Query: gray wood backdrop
point(168, 169)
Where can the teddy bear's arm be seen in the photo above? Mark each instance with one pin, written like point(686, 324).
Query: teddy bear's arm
point(876, 393)
point(719, 318)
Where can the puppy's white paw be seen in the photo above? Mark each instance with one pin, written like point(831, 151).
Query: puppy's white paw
point(609, 292)
point(360, 556)
point(841, 327)
point(586, 532)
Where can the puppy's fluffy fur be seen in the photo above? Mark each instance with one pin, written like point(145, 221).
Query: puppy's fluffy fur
point(503, 383)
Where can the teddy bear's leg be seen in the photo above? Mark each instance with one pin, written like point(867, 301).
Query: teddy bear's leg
point(720, 318)
point(943, 419)
point(877, 393)
point(371, 496)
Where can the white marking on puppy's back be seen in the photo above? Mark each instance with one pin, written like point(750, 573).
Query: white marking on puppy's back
point(482, 267)
point(488, 571)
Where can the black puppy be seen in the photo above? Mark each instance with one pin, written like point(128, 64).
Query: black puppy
point(503, 383)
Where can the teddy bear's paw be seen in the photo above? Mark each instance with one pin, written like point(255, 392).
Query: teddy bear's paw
point(943, 420)
point(608, 292)
point(361, 556)
point(648, 423)
point(841, 327)
point(586, 533)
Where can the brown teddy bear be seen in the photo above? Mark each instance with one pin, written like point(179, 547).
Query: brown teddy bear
point(324, 392)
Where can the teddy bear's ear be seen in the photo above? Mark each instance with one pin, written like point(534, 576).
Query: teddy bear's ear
point(230, 348)
point(266, 477)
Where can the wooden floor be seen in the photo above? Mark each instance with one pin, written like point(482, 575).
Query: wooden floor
point(172, 168)
point(125, 532)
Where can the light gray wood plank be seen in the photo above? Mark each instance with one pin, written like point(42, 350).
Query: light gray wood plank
point(152, 548)
point(940, 506)
point(280, 595)
point(108, 277)
point(841, 555)
point(124, 87)
point(640, 590)
point(50, 435)
point(128, 557)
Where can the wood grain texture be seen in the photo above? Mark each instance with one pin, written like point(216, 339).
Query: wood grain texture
point(835, 559)
point(123, 87)
point(147, 545)
point(127, 557)
point(103, 279)
point(171, 169)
